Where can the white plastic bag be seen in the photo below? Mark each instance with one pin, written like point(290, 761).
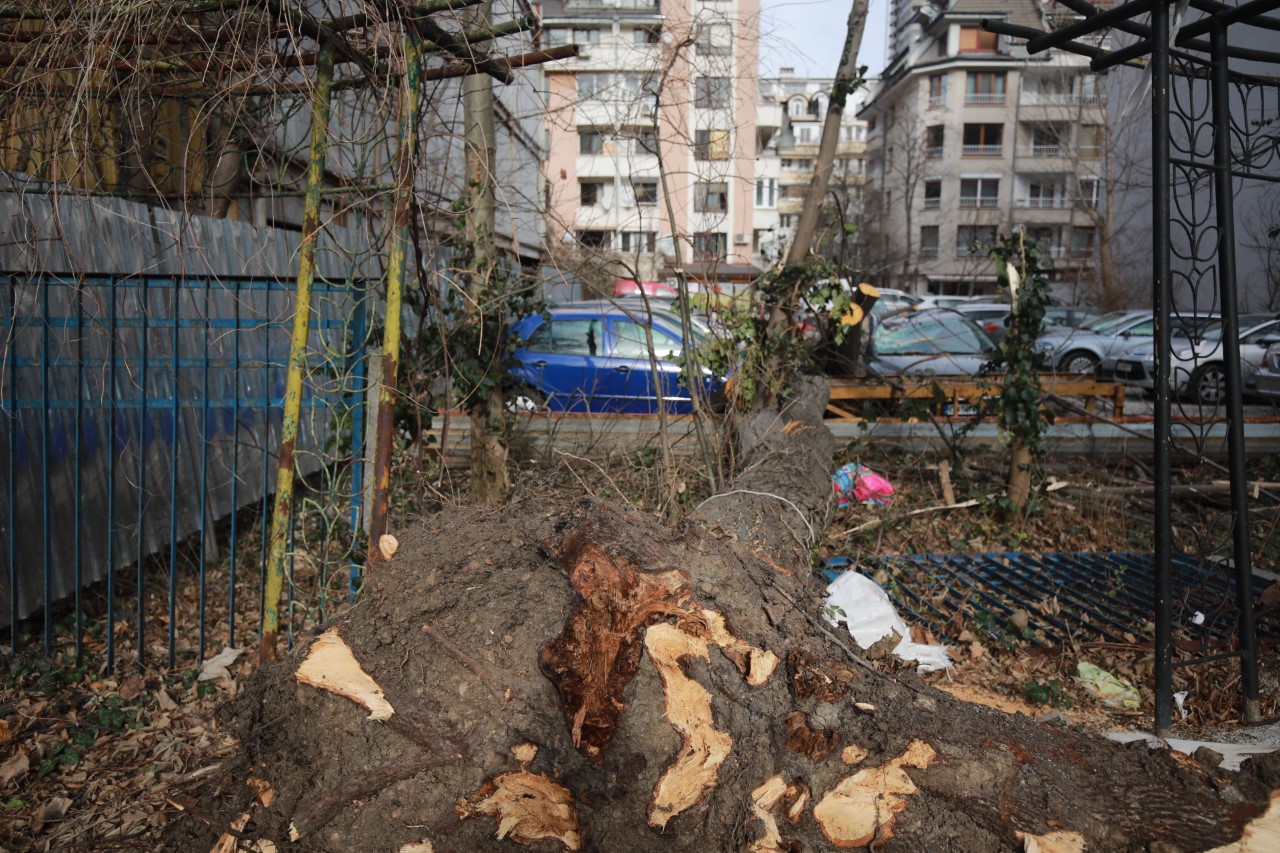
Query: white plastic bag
point(859, 601)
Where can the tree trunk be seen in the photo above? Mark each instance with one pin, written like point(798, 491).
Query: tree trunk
point(1019, 482)
point(489, 478)
point(588, 677)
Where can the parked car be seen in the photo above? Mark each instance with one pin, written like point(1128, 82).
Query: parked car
point(1268, 375)
point(1083, 350)
point(594, 357)
point(933, 341)
point(1197, 367)
point(1183, 338)
point(990, 317)
point(1071, 318)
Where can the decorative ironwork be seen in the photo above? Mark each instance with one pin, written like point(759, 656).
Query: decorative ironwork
point(1213, 128)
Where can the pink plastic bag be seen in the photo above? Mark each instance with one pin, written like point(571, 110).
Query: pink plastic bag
point(860, 483)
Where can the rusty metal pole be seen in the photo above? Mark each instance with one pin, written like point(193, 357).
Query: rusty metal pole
point(402, 209)
point(282, 510)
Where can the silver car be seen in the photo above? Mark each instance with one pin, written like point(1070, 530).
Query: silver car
point(1268, 375)
point(1082, 350)
point(1197, 368)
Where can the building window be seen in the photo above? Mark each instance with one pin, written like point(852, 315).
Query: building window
point(639, 241)
point(711, 145)
point(973, 240)
point(1091, 141)
point(648, 35)
point(594, 239)
point(646, 191)
point(983, 140)
point(590, 142)
point(807, 134)
point(644, 140)
point(985, 87)
point(1082, 241)
point(798, 107)
point(591, 36)
point(785, 220)
point(978, 40)
point(714, 40)
point(766, 192)
point(804, 164)
point(1087, 191)
point(929, 241)
point(979, 192)
point(590, 193)
point(711, 197)
point(555, 36)
point(937, 90)
point(1041, 194)
point(710, 244)
point(1044, 142)
point(593, 85)
point(934, 138)
point(932, 193)
point(711, 92)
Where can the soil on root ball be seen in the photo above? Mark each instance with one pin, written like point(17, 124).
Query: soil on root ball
point(595, 636)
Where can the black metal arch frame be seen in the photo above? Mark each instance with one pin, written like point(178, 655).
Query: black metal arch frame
point(1184, 166)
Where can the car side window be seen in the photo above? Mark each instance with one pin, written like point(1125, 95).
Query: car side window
point(1143, 330)
point(630, 341)
point(566, 337)
point(1258, 335)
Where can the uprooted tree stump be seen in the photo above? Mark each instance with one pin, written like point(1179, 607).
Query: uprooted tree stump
point(585, 678)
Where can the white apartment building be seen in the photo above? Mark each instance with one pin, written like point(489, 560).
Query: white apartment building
point(652, 135)
point(787, 164)
point(969, 137)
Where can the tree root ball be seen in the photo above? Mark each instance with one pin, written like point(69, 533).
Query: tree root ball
point(585, 678)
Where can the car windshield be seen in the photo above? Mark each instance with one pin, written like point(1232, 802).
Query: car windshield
point(929, 334)
point(1107, 322)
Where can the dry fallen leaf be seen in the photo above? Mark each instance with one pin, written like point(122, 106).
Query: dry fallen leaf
point(49, 812)
point(216, 666)
point(15, 768)
point(131, 688)
point(388, 545)
point(165, 701)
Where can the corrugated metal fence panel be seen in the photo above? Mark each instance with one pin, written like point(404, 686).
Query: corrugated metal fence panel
point(121, 397)
point(69, 233)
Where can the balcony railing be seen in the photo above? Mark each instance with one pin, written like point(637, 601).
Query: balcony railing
point(933, 152)
point(982, 150)
point(1052, 202)
point(928, 251)
point(971, 201)
point(932, 203)
point(1042, 151)
point(984, 97)
point(936, 101)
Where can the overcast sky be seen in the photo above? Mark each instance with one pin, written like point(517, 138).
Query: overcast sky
point(807, 35)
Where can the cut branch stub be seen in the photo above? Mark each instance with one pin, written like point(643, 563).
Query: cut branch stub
point(863, 807)
point(755, 665)
point(688, 707)
point(763, 799)
point(528, 807)
point(814, 678)
point(815, 744)
point(330, 665)
point(598, 652)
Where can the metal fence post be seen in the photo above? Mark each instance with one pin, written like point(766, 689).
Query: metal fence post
point(282, 509)
point(384, 437)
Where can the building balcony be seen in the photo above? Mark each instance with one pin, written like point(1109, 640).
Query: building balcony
point(932, 203)
point(933, 152)
point(1057, 202)
point(928, 251)
point(969, 202)
point(1042, 151)
point(937, 101)
point(982, 150)
point(984, 97)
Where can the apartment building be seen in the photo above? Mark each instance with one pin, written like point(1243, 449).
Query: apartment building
point(970, 137)
point(798, 106)
point(652, 135)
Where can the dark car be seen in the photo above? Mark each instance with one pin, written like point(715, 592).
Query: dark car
point(595, 357)
point(934, 341)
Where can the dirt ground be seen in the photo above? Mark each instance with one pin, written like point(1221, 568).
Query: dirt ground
point(111, 762)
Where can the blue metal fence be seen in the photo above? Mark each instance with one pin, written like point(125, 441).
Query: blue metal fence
point(140, 418)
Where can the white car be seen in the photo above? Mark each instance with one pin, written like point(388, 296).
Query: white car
point(1197, 368)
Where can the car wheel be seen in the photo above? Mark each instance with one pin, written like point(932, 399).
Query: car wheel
point(1078, 361)
point(1208, 384)
point(526, 399)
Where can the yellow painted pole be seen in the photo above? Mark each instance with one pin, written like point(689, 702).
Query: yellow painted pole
point(384, 436)
point(281, 514)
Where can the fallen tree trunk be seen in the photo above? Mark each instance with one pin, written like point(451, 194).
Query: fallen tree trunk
point(584, 678)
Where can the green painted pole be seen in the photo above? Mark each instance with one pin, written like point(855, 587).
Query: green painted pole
point(281, 514)
point(402, 212)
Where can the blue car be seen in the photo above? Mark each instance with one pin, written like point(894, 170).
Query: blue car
point(594, 357)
